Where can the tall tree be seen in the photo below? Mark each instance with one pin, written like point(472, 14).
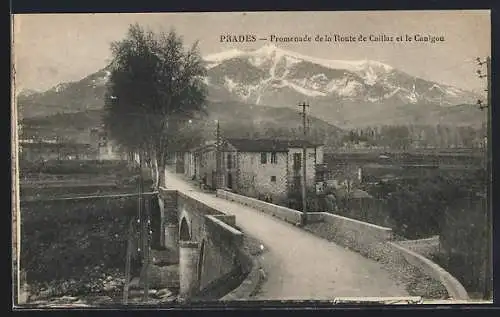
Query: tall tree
point(154, 91)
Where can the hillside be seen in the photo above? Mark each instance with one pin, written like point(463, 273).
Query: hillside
point(347, 94)
point(236, 120)
point(83, 95)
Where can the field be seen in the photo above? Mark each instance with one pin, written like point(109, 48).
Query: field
point(65, 179)
point(73, 240)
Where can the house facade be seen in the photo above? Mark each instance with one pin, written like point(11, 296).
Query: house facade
point(40, 150)
point(266, 169)
point(105, 148)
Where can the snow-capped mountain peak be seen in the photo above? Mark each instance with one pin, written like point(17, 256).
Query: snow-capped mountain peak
point(271, 51)
point(215, 59)
point(339, 91)
point(274, 75)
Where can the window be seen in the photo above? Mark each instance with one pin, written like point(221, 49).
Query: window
point(297, 158)
point(263, 158)
point(273, 179)
point(274, 158)
point(229, 162)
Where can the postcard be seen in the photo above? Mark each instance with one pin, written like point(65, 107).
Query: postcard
point(251, 158)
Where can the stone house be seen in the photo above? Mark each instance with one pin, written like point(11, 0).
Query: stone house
point(105, 148)
point(263, 168)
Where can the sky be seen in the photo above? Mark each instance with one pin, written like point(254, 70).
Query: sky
point(54, 48)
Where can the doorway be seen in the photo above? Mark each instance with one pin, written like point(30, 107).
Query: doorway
point(229, 180)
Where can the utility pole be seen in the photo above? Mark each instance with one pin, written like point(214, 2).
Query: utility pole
point(147, 248)
point(142, 225)
point(304, 160)
point(488, 282)
point(217, 157)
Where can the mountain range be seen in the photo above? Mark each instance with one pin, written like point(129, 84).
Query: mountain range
point(343, 93)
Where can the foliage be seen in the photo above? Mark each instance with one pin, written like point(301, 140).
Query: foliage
point(155, 88)
point(402, 137)
point(448, 205)
point(464, 242)
point(418, 206)
point(294, 200)
point(67, 239)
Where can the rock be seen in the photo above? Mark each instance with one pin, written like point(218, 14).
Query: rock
point(164, 257)
point(109, 287)
point(68, 299)
point(134, 283)
point(140, 300)
point(38, 302)
point(98, 300)
point(168, 299)
point(45, 293)
point(162, 276)
point(165, 292)
point(109, 278)
point(139, 293)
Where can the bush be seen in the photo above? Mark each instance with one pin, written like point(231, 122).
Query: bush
point(418, 206)
point(294, 201)
point(449, 206)
point(464, 242)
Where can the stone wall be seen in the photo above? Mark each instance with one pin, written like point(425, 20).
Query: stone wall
point(356, 234)
point(372, 241)
point(454, 288)
point(311, 161)
point(255, 177)
point(221, 249)
point(286, 214)
point(217, 264)
point(426, 247)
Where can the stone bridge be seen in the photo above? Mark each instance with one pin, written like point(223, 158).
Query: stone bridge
point(209, 248)
point(206, 231)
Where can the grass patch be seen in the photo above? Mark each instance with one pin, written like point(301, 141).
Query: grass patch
point(72, 244)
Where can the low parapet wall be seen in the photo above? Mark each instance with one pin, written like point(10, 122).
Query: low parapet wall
point(454, 288)
point(224, 264)
point(283, 213)
point(426, 247)
point(353, 233)
point(368, 239)
point(251, 268)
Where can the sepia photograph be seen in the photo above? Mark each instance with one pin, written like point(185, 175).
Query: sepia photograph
point(189, 159)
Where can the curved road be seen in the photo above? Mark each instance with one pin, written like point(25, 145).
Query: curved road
point(299, 265)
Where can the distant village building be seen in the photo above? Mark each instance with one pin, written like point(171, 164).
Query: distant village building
point(256, 168)
point(44, 151)
point(105, 148)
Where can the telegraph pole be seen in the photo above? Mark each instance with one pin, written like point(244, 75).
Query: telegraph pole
point(304, 160)
point(488, 152)
point(217, 156)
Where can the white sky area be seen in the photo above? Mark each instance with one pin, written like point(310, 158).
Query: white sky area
point(54, 48)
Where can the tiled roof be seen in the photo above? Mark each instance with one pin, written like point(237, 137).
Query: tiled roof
point(264, 145)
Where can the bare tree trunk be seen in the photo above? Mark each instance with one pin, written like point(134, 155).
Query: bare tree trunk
point(161, 169)
point(157, 173)
point(152, 167)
